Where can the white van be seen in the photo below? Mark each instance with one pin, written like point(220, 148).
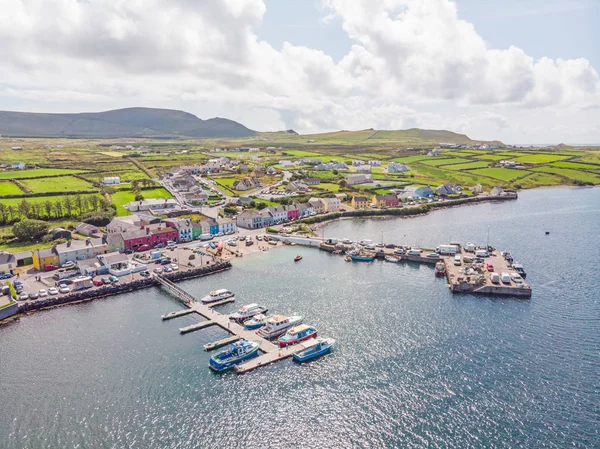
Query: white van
point(481, 253)
point(414, 252)
point(457, 260)
point(366, 242)
point(495, 278)
point(505, 277)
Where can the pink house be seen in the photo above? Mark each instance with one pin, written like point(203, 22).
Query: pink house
point(292, 212)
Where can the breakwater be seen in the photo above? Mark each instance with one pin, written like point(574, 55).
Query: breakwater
point(115, 289)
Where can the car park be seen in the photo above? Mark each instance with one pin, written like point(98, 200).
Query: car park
point(43, 293)
point(98, 282)
point(23, 297)
point(63, 288)
point(34, 295)
point(113, 279)
point(53, 291)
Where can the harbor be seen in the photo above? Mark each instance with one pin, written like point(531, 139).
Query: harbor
point(270, 352)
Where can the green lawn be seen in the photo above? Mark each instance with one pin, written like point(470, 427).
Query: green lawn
point(126, 196)
point(574, 175)
point(226, 181)
point(302, 153)
point(329, 186)
point(467, 165)
point(503, 174)
point(37, 173)
point(540, 158)
point(539, 179)
point(8, 188)
point(61, 184)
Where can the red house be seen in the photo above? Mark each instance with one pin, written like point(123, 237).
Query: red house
point(386, 200)
point(137, 237)
point(292, 212)
point(163, 235)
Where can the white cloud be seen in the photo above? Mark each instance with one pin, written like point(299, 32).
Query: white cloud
point(414, 64)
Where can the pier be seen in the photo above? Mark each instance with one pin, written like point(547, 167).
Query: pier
point(270, 352)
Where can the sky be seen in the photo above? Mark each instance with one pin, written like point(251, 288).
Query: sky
point(520, 71)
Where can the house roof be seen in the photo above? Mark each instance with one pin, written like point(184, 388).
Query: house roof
point(162, 230)
point(112, 258)
point(7, 257)
point(360, 198)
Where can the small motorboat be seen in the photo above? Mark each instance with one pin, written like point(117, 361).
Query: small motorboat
point(237, 352)
point(217, 295)
point(277, 325)
point(347, 258)
point(314, 349)
point(440, 269)
point(392, 259)
point(297, 258)
point(297, 334)
point(247, 311)
point(256, 322)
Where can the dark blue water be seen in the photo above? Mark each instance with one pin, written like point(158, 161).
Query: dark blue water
point(415, 367)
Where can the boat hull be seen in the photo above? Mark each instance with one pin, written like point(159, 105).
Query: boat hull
point(252, 327)
point(284, 343)
point(362, 258)
point(241, 319)
point(209, 300)
point(219, 367)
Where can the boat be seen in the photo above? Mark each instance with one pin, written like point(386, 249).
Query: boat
point(256, 322)
point(278, 325)
point(347, 258)
point(519, 269)
point(217, 295)
point(314, 349)
point(297, 334)
point(392, 259)
point(440, 269)
point(247, 311)
point(237, 352)
point(361, 258)
point(297, 258)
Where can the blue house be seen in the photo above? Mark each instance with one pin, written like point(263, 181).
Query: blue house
point(424, 192)
point(214, 227)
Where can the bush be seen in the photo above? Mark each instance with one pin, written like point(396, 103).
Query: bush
point(100, 218)
point(30, 230)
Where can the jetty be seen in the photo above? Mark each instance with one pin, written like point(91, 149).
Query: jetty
point(270, 352)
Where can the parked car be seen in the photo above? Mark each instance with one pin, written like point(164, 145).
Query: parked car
point(232, 243)
point(145, 247)
point(53, 291)
point(490, 267)
point(98, 282)
point(158, 270)
point(159, 245)
point(174, 267)
point(432, 255)
point(105, 280)
point(167, 269)
point(63, 288)
point(43, 293)
point(145, 274)
point(23, 296)
point(68, 264)
point(34, 295)
point(113, 279)
point(6, 276)
point(165, 261)
point(259, 238)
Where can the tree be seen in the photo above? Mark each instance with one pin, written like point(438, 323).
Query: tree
point(30, 230)
point(68, 203)
point(24, 208)
point(3, 213)
point(94, 202)
point(343, 183)
point(79, 203)
point(139, 197)
point(58, 209)
point(335, 172)
point(48, 208)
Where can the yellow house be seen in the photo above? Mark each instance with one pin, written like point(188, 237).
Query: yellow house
point(44, 257)
point(360, 202)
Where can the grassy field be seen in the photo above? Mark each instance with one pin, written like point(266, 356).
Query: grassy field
point(490, 157)
point(503, 174)
point(540, 158)
point(37, 199)
point(467, 165)
point(37, 173)
point(438, 162)
point(61, 184)
point(575, 165)
point(574, 175)
point(329, 186)
point(9, 188)
point(126, 196)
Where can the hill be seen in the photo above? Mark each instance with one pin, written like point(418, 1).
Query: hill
point(129, 122)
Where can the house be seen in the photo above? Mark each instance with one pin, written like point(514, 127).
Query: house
point(59, 233)
point(164, 234)
point(331, 204)
point(226, 226)
point(311, 161)
point(375, 163)
point(18, 165)
point(304, 209)
point(111, 180)
point(292, 212)
point(446, 189)
point(277, 213)
point(8, 262)
point(196, 229)
point(397, 167)
point(312, 181)
point(359, 202)
point(117, 264)
point(152, 205)
point(388, 200)
point(424, 192)
point(249, 219)
point(496, 191)
point(296, 186)
point(91, 267)
point(16, 148)
point(413, 193)
point(184, 228)
point(43, 258)
point(364, 169)
point(243, 168)
point(87, 230)
point(271, 171)
point(317, 205)
point(246, 184)
point(352, 180)
point(433, 153)
point(115, 242)
point(341, 196)
point(244, 201)
point(184, 183)
point(357, 162)
point(196, 198)
point(477, 189)
point(75, 250)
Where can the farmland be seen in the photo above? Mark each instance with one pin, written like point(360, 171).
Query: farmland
point(37, 173)
point(58, 184)
point(503, 174)
point(126, 196)
point(9, 188)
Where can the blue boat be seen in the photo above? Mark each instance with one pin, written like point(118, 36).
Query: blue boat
point(256, 322)
point(237, 352)
point(316, 348)
point(359, 257)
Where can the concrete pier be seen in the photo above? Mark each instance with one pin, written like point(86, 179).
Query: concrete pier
point(176, 314)
point(220, 343)
point(270, 357)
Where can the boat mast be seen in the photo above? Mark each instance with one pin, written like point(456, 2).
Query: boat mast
point(487, 243)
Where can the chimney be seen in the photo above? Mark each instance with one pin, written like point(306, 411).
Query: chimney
point(147, 231)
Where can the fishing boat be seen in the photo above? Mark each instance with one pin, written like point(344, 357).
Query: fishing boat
point(297, 258)
point(247, 311)
point(296, 335)
point(440, 269)
point(237, 352)
point(256, 322)
point(361, 257)
point(392, 259)
point(217, 295)
point(278, 325)
point(314, 349)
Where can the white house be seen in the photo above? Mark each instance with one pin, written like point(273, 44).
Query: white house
point(352, 180)
point(111, 180)
point(397, 167)
point(226, 225)
point(496, 191)
point(278, 213)
point(331, 204)
point(18, 165)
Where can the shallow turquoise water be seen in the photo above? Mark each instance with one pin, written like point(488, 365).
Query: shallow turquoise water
point(415, 367)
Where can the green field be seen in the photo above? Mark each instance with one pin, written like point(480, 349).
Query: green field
point(540, 158)
point(9, 188)
point(37, 173)
point(436, 162)
point(573, 175)
point(409, 159)
point(503, 174)
point(329, 186)
point(38, 199)
point(539, 179)
point(126, 196)
point(575, 165)
point(490, 157)
point(301, 153)
point(226, 181)
point(467, 165)
point(59, 184)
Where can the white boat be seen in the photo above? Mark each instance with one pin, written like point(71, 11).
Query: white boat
point(392, 259)
point(278, 325)
point(248, 311)
point(257, 321)
point(217, 295)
